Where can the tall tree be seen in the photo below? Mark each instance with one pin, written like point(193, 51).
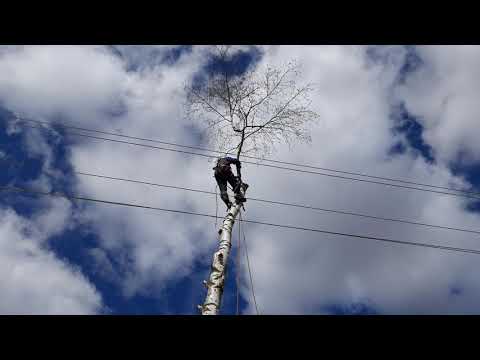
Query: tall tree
point(247, 113)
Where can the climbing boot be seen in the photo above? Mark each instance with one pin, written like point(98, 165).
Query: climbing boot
point(240, 198)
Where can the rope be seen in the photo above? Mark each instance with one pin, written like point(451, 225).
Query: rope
point(216, 208)
point(237, 267)
point(249, 270)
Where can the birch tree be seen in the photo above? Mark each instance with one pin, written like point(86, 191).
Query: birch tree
point(247, 113)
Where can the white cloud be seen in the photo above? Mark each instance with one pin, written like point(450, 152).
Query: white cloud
point(76, 82)
point(298, 272)
point(443, 96)
point(151, 96)
point(294, 272)
point(32, 279)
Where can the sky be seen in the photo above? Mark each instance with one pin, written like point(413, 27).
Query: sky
point(404, 112)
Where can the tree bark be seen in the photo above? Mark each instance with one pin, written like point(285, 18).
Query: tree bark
point(240, 146)
point(216, 281)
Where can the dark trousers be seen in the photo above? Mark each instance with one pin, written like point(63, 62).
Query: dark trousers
point(222, 179)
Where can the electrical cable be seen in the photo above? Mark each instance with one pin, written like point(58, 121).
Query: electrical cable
point(117, 203)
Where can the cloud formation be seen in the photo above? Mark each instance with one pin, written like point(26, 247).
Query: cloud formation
point(442, 94)
point(294, 272)
point(32, 278)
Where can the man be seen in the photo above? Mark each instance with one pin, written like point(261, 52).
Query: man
point(223, 174)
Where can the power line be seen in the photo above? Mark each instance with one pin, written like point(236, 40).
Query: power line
point(367, 181)
point(255, 158)
point(281, 203)
point(268, 165)
point(366, 237)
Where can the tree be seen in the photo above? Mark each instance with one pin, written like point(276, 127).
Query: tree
point(247, 113)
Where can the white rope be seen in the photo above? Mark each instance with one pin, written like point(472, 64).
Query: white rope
point(237, 267)
point(216, 207)
point(248, 265)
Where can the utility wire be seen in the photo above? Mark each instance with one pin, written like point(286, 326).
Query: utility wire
point(280, 203)
point(253, 157)
point(268, 165)
point(366, 237)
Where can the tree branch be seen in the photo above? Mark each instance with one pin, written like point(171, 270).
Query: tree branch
point(260, 127)
point(210, 106)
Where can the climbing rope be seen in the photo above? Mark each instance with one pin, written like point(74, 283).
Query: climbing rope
point(237, 266)
point(248, 265)
point(216, 207)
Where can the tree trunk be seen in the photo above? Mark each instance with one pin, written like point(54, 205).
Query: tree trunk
point(240, 146)
point(216, 281)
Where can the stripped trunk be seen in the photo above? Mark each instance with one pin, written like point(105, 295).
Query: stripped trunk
point(216, 281)
point(240, 146)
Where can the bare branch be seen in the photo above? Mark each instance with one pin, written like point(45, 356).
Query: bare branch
point(278, 114)
point(204, 101)
point(259, 108)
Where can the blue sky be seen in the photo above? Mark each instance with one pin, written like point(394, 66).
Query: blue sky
point(132, 261)
point(181, 296)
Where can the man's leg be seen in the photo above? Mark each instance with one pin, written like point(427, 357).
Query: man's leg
point(236, 183)
point(222, 185)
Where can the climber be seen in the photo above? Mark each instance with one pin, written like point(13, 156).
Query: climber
point(223, 174)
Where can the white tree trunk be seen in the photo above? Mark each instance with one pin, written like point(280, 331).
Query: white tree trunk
point(216, 281)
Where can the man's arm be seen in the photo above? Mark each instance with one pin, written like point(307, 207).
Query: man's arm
point(238, 165)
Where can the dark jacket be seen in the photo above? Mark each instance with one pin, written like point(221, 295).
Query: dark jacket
point(223, 165)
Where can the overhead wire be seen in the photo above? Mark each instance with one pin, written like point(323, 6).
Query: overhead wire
point(410, 222)
point(254, 157)
point(281, 203)
point(274, 202)
point(359, 236)
point(273, 166)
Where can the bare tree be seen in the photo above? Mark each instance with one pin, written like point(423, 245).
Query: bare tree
point(254, 110)
point(247, 113)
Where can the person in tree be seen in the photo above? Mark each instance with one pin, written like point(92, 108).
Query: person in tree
point(223, 174)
